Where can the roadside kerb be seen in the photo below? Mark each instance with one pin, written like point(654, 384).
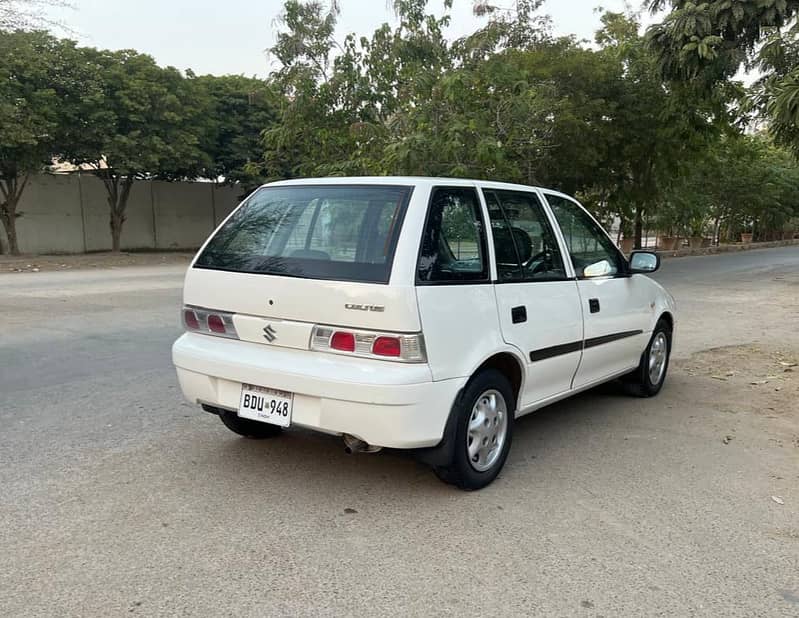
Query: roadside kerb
point(731, 248)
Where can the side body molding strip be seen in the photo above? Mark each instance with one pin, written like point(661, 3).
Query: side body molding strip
point(576, 346)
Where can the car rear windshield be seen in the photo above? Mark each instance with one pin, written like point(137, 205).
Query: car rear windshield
point(341, 232)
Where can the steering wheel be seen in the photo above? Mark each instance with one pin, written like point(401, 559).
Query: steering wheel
point(545, 264)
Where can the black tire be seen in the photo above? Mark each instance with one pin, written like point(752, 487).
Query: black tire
point(247, 428)
point(460, 471)
point(639, 383)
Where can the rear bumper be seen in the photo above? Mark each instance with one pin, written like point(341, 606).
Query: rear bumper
point(386, 404)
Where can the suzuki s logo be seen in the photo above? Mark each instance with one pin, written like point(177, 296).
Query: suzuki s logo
point(270, 334)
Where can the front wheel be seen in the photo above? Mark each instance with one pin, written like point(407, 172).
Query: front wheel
point(484, 429)
point(247, 428)
point(648, 378)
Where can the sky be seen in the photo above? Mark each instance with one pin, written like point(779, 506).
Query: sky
point(209, 36)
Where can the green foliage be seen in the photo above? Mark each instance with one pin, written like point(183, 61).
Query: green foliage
point(28, 101)
point(657, 131)
point(42, 87)
point(237, 111)
point(742, 183)
point(145, 124)
point(122, 115)
point(710, 41)
point(508, 102)
point(641, 128)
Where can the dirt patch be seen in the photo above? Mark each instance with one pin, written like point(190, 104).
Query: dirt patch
point(37, 263)
point(759, 379)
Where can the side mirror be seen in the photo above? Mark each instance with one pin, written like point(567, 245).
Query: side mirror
point(644, 262)
point(598, 269)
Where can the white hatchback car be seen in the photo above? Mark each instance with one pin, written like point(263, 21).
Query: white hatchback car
point(414, 313)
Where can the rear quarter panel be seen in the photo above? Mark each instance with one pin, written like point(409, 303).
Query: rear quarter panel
point(461, 328)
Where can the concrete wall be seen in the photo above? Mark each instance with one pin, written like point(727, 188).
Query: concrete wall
point(69, 214)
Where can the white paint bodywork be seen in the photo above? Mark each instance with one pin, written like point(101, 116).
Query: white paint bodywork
point(406, 405)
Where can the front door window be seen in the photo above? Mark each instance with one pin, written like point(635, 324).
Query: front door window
point(524, 244)
point(593, 254)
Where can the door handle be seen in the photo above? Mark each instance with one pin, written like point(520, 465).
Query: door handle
point(593, 305)
point(518, 314)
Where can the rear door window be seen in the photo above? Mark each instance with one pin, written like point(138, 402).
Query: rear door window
point(341, 232)
point(453, 244)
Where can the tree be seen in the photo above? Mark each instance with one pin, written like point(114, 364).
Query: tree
point(742, 183)
point(145, 126)
point(27, 119)
point(708, 42)
point(304, 137)
point(41, 85)
point(339, 114)
point(660, 129)
point(239, 110)
point(511, 102)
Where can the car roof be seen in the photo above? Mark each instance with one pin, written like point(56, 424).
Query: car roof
point(404, 180)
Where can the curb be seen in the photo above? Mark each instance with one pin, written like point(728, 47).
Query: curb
point(678, 253)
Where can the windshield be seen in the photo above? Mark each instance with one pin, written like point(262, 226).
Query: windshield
point(342, 232)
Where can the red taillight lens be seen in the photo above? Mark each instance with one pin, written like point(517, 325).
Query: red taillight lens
point(403, 347)
point(387, 346)
point(216, 324)
point(190, 319)
point(209, 322)
point(343, 342)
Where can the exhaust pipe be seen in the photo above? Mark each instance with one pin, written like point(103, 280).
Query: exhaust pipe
point(356, 445)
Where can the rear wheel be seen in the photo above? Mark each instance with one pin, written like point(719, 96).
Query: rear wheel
point(648, 378)
point(484, 428)
point(247, 428)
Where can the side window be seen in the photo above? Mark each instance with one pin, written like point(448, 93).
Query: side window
point(524, 244)
point(592, 252)
point(453, 242)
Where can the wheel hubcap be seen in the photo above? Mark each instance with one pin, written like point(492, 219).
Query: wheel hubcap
point(488, 427)
point(658, 353)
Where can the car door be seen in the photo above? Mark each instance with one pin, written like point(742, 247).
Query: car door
point(537, 298)
point(616, 311)
point(455, 297)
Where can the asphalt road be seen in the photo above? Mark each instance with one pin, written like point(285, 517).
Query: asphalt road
point(118, 498)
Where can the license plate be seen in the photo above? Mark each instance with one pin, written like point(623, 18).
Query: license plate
point(267, 405)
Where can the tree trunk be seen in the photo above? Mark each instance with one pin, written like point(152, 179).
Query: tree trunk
point(118, 189)
point(11, 190)
point(116, 231)
point(10, 225)
point(639, 226)
point(9, 218)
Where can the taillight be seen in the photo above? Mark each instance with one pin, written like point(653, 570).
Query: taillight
point(190, 320)
point(387, 346)
point(407, 348)
point(343, 342)
point(209, 322)
point(215, 324)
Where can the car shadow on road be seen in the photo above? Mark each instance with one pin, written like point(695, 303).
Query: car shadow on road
point(310, 459)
